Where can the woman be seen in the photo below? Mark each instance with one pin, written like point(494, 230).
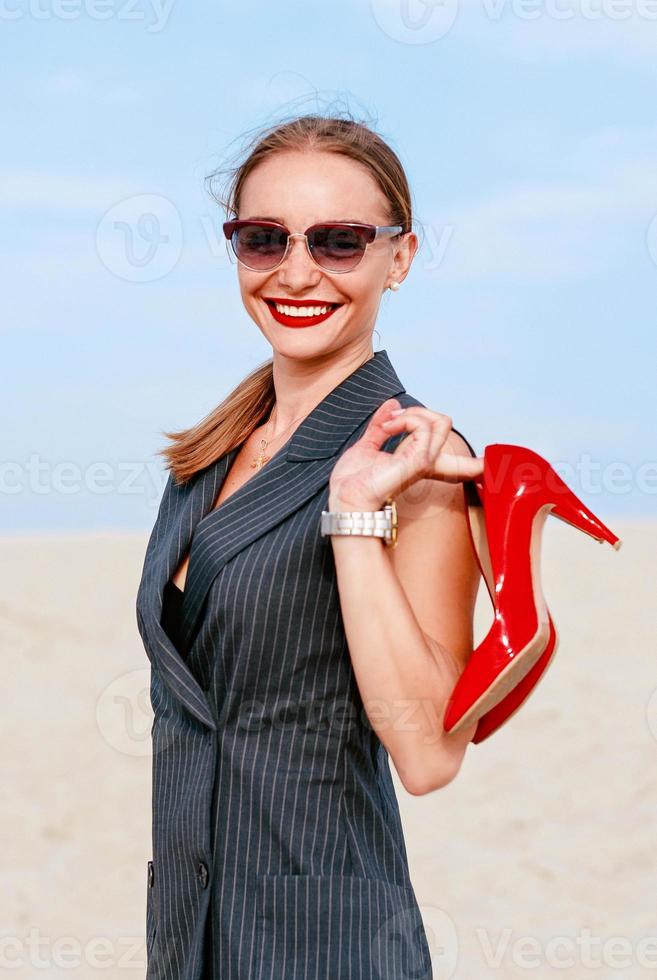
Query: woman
point(296, 661)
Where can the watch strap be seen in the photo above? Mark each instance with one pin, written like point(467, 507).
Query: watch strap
point(362, 523)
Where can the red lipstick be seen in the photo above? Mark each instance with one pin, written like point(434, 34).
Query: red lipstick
point(299, 321)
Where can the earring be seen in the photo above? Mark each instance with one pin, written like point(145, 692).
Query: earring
point(394, 285)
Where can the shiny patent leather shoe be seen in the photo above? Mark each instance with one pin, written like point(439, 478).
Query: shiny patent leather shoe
point(520, 489)
point(507, 707)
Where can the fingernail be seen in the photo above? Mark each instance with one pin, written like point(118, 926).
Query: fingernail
point(397, 411)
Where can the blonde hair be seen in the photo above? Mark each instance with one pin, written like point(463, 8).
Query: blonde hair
point(251, 401)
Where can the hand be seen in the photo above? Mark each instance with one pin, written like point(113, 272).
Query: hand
point(365, 475)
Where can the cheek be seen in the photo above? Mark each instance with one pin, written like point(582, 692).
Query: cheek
point(248, 283)
point(366, 293)
point(364, 286)
point(250, 289)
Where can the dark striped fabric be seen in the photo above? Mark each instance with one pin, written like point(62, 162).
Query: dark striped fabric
point(277, 846)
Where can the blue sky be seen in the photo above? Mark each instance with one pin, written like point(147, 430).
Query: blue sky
point(528, 131)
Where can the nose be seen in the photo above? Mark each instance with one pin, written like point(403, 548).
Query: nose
point(298, 267)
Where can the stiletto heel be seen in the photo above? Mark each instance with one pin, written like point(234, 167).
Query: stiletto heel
point(515, 509)
point(574, 512)
point(509, 705)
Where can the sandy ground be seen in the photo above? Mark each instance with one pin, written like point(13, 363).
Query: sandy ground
point(538, 860)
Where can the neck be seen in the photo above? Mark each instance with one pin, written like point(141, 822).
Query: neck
point(300, 385)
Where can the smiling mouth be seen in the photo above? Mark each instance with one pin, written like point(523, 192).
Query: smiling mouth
point(301, 308)
point(300, 313)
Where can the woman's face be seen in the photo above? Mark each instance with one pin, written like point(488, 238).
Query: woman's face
point(299, 190)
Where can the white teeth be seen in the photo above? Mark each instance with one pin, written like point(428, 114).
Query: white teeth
point(302, 310)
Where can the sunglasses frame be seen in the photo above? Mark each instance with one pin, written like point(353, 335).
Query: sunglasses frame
point(375, 232)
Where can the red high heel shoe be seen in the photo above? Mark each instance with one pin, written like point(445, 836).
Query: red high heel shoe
point(520, 489)
point(507, 707)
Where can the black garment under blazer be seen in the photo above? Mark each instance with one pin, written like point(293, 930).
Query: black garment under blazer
point(277, 846)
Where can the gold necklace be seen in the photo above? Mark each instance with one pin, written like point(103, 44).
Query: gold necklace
point(261, 458)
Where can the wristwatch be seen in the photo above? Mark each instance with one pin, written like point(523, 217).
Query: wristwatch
point(366, 523)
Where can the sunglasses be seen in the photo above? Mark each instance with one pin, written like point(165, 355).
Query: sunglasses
point(334, 246)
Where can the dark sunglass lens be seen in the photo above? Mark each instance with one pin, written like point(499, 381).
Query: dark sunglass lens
point(258, 246)
point(337, 248)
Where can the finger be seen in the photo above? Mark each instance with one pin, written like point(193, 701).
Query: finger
point(455, 468)
point(439, 426)
point(421, 444)
point(375, 434)
point(443, 465)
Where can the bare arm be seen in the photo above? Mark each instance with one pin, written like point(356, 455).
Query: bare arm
point(408, 616)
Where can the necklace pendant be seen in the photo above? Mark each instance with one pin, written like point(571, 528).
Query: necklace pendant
point(260, 460)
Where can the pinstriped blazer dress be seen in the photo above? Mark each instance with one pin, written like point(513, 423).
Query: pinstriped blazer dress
point(277, 846)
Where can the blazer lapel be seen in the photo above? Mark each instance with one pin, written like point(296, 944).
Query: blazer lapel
point(297, 471)
point(271, 495)
point(180, 510)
